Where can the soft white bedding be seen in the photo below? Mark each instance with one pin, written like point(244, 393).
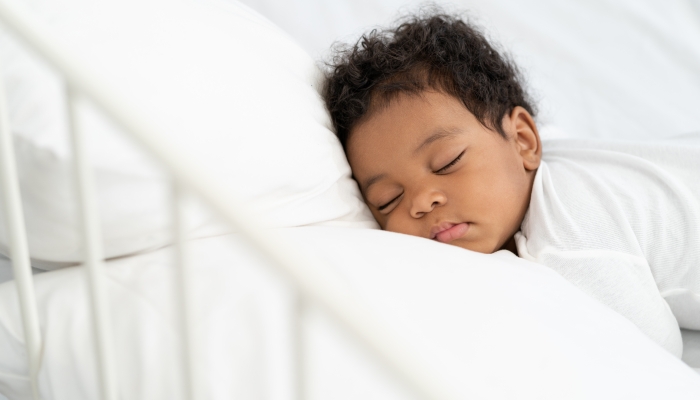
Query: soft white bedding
point(180, 65)
point(492, 326)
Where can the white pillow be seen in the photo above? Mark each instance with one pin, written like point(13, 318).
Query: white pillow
point(490, 326)
point(219, 80)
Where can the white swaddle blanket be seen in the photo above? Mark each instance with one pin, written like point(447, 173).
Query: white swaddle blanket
point(621, 220)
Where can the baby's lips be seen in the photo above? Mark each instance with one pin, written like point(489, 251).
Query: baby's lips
point(456, 231)
point(442, 226)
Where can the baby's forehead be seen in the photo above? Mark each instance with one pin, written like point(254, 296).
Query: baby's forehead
point(412, 121)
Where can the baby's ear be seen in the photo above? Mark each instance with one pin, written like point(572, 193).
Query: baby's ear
point(522, 129)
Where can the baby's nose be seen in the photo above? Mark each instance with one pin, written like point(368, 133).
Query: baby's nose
point(426, 201)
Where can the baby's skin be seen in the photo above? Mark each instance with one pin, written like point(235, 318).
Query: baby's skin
point(427, 167)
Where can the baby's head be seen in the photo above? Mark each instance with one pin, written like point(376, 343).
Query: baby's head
point(438, 130)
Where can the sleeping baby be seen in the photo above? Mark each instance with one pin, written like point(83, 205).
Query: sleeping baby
point(441, 139)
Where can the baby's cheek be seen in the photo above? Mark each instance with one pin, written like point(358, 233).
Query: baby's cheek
point(381, 219)
point(389, 225)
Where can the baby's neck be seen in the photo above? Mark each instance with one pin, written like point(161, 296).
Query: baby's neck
point(510, 245)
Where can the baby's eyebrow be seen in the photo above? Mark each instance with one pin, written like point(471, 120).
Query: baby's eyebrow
point(439, 133)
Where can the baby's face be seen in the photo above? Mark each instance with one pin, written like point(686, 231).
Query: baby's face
point(427, 167)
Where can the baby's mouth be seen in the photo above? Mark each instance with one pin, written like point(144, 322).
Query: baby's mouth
point(447, 231)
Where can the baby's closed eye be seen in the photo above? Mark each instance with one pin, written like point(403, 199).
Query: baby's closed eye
point(389, 203)
point(451, 164)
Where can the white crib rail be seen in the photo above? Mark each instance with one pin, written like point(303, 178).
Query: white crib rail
point(306, 273)
point(19, 252)
point(185, 279)
point(93, 253)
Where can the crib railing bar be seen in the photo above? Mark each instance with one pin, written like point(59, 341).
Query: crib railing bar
point(299, 337)
point(305, 272)
point(19, 253)
point(93, 253)
point(184, 293)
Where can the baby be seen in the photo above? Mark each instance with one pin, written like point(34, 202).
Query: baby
point(443, 144)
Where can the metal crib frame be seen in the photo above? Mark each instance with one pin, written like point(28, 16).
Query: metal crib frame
point(299, 268)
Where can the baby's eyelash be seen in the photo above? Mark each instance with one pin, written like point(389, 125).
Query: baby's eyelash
point(443, 169)
point(380, 208)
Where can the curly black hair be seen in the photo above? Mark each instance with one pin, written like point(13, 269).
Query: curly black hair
point(434, 51)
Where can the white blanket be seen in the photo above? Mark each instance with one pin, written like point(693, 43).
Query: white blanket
point(492, 326)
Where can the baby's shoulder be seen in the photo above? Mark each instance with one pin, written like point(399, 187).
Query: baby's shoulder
point(616, 196)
